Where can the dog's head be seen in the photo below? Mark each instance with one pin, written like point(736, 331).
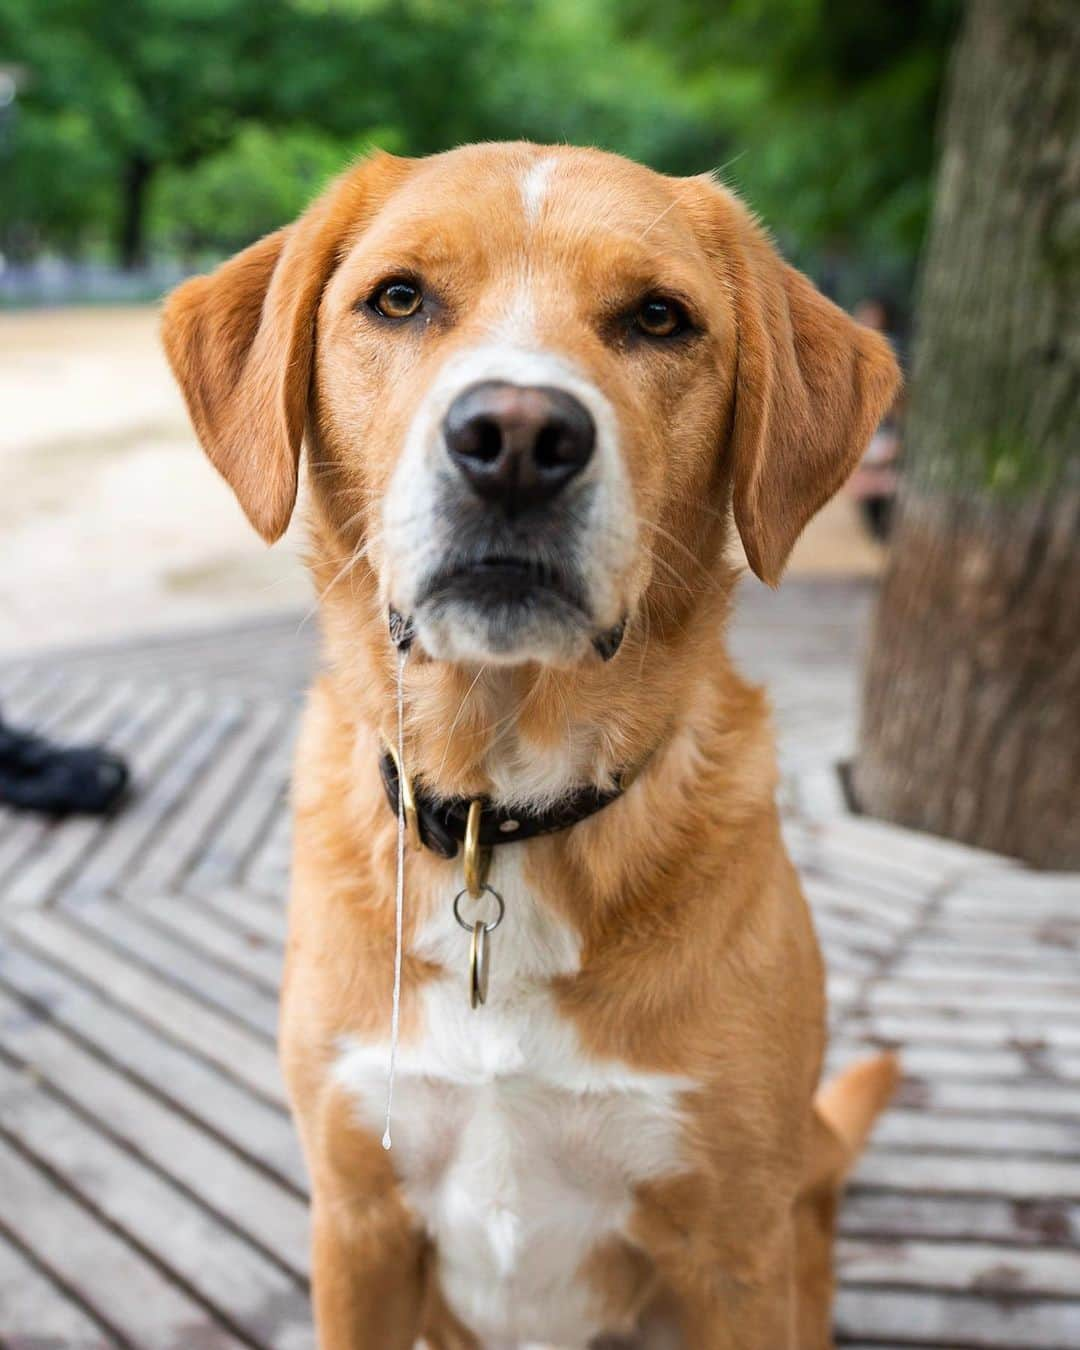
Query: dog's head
point(531, 380)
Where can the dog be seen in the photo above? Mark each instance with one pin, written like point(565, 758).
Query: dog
point(535, 385)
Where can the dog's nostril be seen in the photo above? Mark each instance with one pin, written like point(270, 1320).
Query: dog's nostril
point(549, 452)
point(488, 439)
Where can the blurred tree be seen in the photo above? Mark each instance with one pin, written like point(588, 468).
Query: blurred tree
point(971, 719)
point(262, 177)
point(126, 103)
point(144, 83)
point(826, 107)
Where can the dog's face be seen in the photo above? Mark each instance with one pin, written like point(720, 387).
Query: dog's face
point(520, 351)
point(531, 380)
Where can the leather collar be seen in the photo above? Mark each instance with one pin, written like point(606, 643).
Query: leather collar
point(442, 819)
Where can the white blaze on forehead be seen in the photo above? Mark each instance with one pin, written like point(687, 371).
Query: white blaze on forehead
point(515, 324)
point(534, 185)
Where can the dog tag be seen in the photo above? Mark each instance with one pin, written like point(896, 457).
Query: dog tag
point(479, 943)
point(479, 958)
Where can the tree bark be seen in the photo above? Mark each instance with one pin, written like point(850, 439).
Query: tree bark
point(135, 185)
point(971, 712)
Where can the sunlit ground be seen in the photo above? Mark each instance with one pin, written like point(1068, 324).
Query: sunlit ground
point(111, 520)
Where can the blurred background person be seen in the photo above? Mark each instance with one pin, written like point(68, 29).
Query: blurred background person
point(875, 482)
point(37, 774)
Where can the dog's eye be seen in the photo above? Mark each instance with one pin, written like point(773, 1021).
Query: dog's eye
point(660, 318)
point(396, 299)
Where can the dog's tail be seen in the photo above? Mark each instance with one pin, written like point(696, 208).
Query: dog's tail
point(845, 1109)
point(851, 1102)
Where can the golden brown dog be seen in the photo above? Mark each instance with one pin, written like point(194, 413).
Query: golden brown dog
point(532, 383)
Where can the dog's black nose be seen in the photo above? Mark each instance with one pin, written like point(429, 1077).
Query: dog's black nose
point(518, 445)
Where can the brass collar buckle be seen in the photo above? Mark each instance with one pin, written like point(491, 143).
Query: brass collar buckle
point(408, 800)
point(477, 864)
point(477, 858)
point(440, 828)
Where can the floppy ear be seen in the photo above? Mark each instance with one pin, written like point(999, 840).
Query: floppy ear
point(241, 343)
point(811, 385)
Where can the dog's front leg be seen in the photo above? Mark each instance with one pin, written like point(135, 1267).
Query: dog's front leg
point(368, 1278)
point(741, 1316)
point(736, 1314)
point(730, 1295)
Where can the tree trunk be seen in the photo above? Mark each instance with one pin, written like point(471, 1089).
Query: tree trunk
point(971, 713)
point(134, 191)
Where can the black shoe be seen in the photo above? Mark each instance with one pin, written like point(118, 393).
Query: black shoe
point(36, 775)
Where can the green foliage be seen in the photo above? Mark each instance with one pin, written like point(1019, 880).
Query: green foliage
point(198, 124)
point(258, 180)
point(829, 107)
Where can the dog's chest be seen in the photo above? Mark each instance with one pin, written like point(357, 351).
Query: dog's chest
point(517, 1151)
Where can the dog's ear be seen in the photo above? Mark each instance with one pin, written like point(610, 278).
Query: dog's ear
point(241, 343)
point(811, 385)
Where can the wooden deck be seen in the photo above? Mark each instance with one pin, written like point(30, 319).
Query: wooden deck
point(151, 1191)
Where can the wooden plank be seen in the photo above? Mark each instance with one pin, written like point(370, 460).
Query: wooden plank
point(955, 1267)
point(983, 1030)
point(1051, 999)
point(847, 960)
point(959, 1218)
point(17, 687)
point(1056, 931)
point(978, 982)
point(842, 989)
point(1002, 891)
point(176, 1015)
point(879, 869)
point(204, 804)
point(268, 870)
point(44, 871)
point(35, 1312)
point(977, 1134)
point(952, 1173)
point(80, 716)
point(122, 1288)
point(40, 701)
point(225, 855)
point(228, 944)
point(245, 914)
point(251, 1126)
point(1024, 962)
point(243, 1288)
point(855, 929)
point(956, 1322)
point(879, 882)
point(195, 728)
point(943, 1061)
point(175, 962)
point(926, 855)
point(1056, 937)
point(1033, 1100)
point(266, 1213)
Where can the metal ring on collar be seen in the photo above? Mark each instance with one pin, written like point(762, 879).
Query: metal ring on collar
point(488, 927)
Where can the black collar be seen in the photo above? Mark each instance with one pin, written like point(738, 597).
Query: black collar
point(442, 819)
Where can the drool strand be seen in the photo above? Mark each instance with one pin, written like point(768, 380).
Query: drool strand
point(399, 891)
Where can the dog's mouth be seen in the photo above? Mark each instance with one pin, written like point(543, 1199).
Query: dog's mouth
point(506, 608)
point(497, 581)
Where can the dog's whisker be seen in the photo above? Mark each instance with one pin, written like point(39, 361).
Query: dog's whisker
point(457, 718)
point(352, 562)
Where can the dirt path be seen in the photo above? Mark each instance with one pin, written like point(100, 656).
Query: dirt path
point(111, 520)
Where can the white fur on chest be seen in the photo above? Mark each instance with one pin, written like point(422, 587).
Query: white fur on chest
point(516, 1150)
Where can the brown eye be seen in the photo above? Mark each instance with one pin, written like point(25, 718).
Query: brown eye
point(660, 318)
point(396, 299)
